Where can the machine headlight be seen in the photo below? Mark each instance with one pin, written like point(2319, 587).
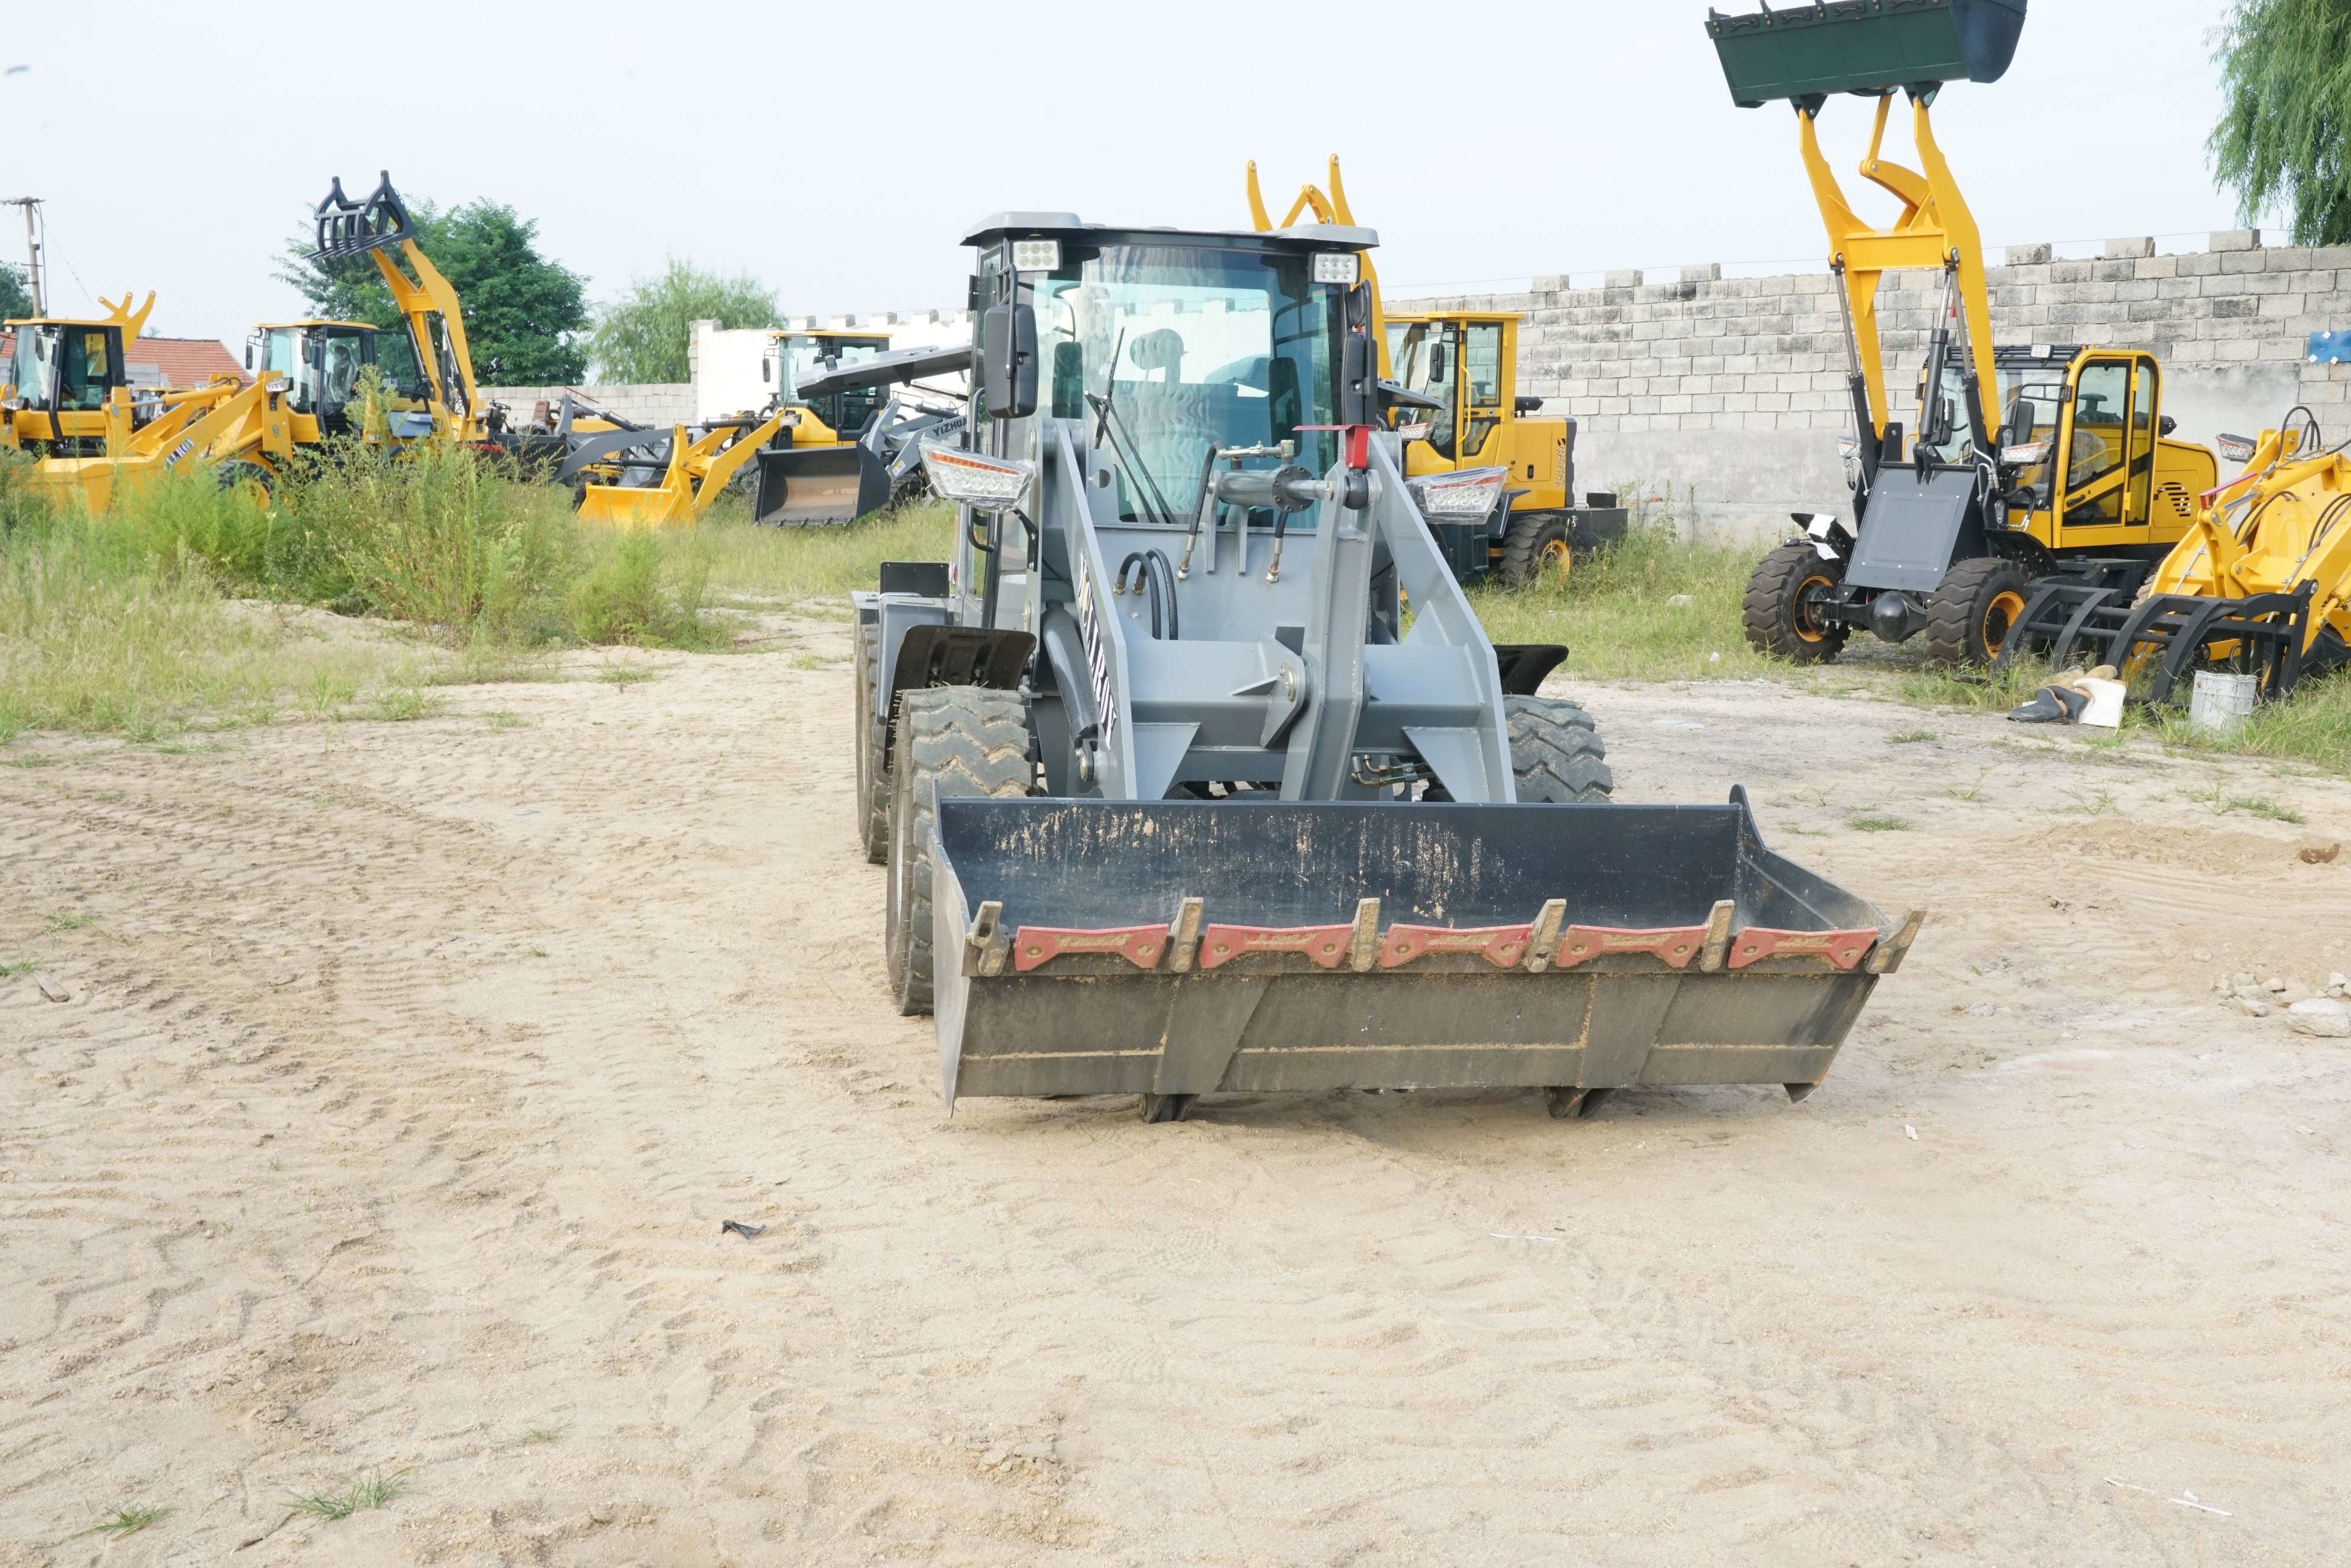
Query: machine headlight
point(1415, 431)
point(2235, 448)
point(2027, 454)
point(1036, 254)
point(1459, 497)
point(991, 484)
point(1340, 266)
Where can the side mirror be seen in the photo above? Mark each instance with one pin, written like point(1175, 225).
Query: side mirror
point(249, 356)
point(767, 371)
point(1007, 361)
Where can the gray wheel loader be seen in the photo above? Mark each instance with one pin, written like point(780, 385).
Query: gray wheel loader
point(1193, 771)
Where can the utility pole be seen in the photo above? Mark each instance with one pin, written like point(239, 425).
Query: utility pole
point(32, 205)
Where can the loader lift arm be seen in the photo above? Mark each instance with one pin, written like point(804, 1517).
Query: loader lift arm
point(379, 227)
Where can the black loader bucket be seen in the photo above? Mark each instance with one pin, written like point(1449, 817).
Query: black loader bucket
point(1822, 47)
point(812, 487)
point(1178, 948)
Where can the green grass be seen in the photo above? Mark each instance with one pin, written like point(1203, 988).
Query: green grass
point(1874, 824)
point(747, 565)
point(128, 1520)
point(372, 1488)
point(1909, 737)
point(627, 674)
point(403, 703)
point(1612, 611)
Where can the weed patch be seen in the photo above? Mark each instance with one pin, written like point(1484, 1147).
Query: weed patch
point(373, 1488)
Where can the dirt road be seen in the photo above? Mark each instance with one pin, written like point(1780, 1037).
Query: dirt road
point(406, 1073)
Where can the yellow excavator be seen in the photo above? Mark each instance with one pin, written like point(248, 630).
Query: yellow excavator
point(1452, 383)
point(2035, 475)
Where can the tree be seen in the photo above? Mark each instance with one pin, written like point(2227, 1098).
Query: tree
point(523, 312)
point(2285, 73)
point(644, 338)
point(15, 299)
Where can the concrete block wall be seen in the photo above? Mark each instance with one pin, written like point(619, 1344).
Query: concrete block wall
point(1728, 394)
point(647, 403)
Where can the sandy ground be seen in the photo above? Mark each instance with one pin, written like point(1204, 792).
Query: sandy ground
point(404, 1073)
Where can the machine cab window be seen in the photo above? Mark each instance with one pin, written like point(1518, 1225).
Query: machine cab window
point(64, 368)
point(1423, 357)
point(1174, 350)
point(1482, 376)
point(2099, 448)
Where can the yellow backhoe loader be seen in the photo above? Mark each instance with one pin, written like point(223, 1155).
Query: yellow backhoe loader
point(2074, 493)
point(696, 470)
point(1452, 377)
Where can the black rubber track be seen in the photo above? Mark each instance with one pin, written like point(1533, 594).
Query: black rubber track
point(952, 740)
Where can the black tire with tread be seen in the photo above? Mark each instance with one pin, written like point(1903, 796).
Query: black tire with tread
point(1955, 610)
point(1524, 540)
point(955, 741)
point(1556, 751)
point(872, 763)
point(1768, 613)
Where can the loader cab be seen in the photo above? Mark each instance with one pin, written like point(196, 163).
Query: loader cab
point(1171, 344)
point(793, 355)
point(62, 374)
point(320, 362)
point(1468, 361)
point(2085, 436)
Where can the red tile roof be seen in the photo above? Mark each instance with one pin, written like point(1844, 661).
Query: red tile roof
point(178, 361)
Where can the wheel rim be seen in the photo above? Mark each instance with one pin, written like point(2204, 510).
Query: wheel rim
point(2000, 618)
point(1555, 556)
point(1806, 619)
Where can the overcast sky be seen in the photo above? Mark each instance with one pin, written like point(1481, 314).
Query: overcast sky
point(838, 151)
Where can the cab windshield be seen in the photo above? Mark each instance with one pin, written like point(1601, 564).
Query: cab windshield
point(799, 356)
point(1177, 349)
point(30, 365)
point(2032, 402)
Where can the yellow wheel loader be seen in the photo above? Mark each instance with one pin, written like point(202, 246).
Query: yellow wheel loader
point(694, 471)
point(1175, 802)
point(1453, 384)
point(67, 393)
point(2260, 586)
point(307, 375)
point(2030, 466)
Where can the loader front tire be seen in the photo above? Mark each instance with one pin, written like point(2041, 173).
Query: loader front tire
point(953, 741)
point(1782, 611)
point(873, 803)
point(1974, 611)
point(1535, 545)
point(1556, 752)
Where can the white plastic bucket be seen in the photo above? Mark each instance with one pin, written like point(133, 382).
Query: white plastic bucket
point(2221, 703)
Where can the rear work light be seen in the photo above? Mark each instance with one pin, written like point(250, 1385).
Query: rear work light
point(1036, 254)
point(990, 483)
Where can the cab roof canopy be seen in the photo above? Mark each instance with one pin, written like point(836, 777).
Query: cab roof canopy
point(1069, 225)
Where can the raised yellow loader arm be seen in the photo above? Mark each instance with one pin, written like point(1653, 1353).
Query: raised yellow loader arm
point(378, 227)
point(1328, 208)
point(1936, 233)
